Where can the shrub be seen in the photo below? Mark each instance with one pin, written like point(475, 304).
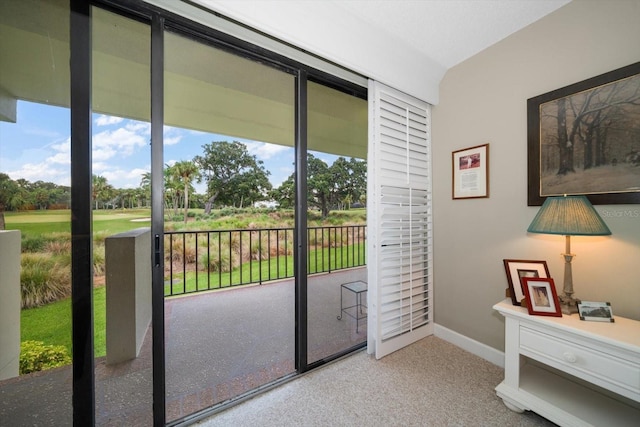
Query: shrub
point(58, 242)
point(58, 247)
point(99, 260)
point(258, 251)
point(36, 356)
point(215, 262)
point(43, 280)
point(100, 236)
point(33, 243)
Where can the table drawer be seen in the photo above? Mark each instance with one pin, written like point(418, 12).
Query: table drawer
point(606, 369)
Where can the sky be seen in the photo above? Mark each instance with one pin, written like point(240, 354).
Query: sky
point(37, 147)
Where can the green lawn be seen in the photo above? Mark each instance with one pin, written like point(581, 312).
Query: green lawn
point(51, 323)
point(108, 221)
point(275, 268)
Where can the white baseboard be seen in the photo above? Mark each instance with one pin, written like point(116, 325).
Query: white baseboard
point(472, 346)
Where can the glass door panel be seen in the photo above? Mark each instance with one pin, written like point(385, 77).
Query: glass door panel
point(35, 221)
point(229, 289)
point(121, 219)
point(336, 184)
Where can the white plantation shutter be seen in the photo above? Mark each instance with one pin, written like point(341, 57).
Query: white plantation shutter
point(399, 220)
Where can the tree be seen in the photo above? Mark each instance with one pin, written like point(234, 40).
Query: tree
point(172, 190)
point(7, 191)
point(285, 194)
point(229, 171)
point(248, 188)
point(185, 172)
point(584, 123)
point(327, 186)
point(101, 190)
point(145, 186)
point(320, 184)
point(350, 180)
point(358, 179)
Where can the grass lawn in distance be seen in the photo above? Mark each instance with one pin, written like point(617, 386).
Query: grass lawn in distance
point(112, 221)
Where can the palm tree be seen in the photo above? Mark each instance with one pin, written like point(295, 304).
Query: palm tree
point(98, 188)
point(145, 186)
point(185, 172)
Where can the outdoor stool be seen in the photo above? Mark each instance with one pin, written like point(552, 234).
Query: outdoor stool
point(358, 288)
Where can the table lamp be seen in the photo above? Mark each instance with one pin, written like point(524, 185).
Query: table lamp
point(569, 216)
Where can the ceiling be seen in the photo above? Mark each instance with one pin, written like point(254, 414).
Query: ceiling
point(405, 44)
point(456, 29)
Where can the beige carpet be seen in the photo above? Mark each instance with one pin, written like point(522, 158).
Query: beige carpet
point(430, 383)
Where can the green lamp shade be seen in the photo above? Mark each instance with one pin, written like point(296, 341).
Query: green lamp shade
point(570, 216)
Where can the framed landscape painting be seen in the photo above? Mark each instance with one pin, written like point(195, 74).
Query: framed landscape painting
point(584, 139)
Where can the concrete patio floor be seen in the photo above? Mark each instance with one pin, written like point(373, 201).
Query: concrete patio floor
point(218, 345)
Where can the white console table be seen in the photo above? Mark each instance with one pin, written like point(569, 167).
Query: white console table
point(572, 372)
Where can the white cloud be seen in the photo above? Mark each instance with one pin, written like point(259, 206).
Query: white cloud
point(63, 155)
point(103, 120)
point(103, 154)
point(171, 135)
point(172, 140)
point(54, 168)
point(121, 141)
point(139, 127)
point(264, 151)
point(137, 173)
point(42, 172)
point(98, 167)
point(60, 159)
point(121, 178)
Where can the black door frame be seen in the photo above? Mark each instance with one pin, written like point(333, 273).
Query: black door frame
point(81, 174)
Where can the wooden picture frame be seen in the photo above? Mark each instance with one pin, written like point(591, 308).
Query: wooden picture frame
point(470, 169)
point(542, 299)
point(581, 140)
point(517, 269)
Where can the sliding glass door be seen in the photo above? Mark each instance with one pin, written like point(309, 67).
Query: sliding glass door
point(163, 177)
point(336, 222)
point(229, 275)
point(36, 366)
point(120, 123)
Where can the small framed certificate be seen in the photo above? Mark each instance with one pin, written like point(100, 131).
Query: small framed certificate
point(471, 172)
point(595, 311)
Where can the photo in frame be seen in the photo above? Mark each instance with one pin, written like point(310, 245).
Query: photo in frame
point(516, 270)
point(542, 299)
point(595, 311)
point(470, 167)
point(582, 140)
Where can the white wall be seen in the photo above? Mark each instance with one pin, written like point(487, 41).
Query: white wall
point(9, 303)
point(484, 100)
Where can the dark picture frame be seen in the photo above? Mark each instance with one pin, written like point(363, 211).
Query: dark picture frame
point(595, 311)
point(542, 299)
point(517, 269)
point(470, 172)
point(598, 153)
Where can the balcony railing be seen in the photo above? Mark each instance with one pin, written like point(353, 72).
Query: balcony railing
point(198, 261)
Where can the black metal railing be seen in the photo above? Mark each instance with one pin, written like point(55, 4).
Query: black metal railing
point(204, 260)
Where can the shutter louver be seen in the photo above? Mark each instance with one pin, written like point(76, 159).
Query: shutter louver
point(400, 231)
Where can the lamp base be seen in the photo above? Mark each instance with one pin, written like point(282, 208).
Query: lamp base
point(568, 304)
